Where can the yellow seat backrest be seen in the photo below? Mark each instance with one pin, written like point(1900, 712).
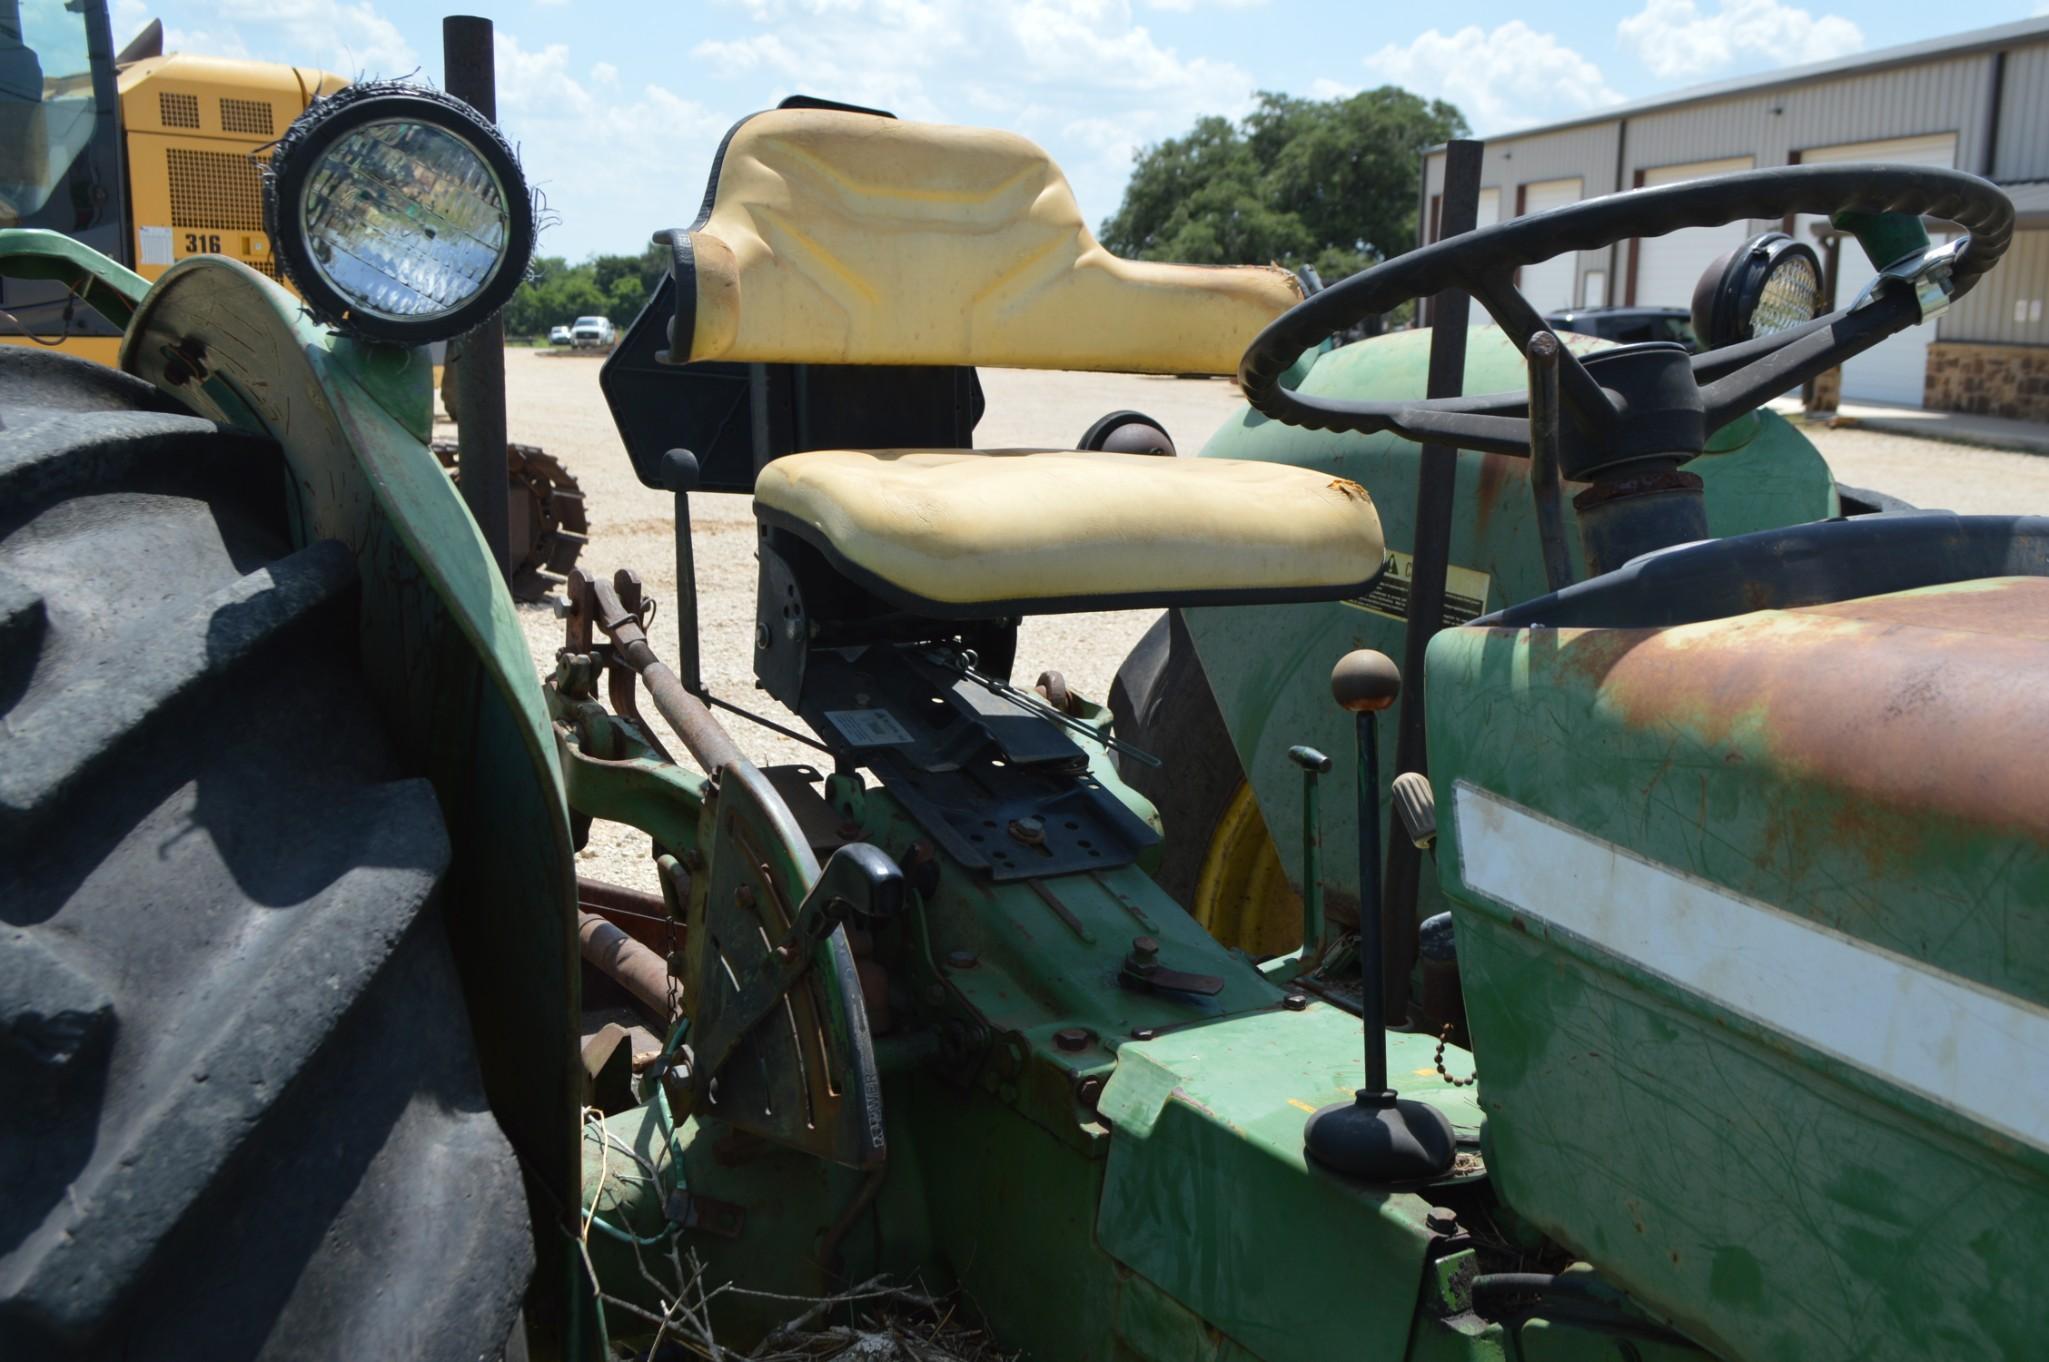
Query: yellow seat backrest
point(845, 238)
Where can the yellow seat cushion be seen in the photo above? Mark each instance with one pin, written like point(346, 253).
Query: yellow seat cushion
point(843, 238)
point(1049, 530)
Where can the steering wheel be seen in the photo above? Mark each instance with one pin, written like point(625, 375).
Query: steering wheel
point(1616, 407)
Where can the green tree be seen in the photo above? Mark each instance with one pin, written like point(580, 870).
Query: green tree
point(556, 292)
point(1329, 183)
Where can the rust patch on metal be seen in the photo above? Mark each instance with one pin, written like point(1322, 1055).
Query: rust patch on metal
point(1496, 471)
point(2004, 606)
point(642, 916)
point(1601, 493)
point(1920, 704)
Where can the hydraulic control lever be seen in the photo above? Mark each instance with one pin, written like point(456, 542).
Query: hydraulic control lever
point(860, 883)
point(1378, 1137)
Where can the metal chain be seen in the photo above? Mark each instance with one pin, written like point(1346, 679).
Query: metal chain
point(1442, 1040)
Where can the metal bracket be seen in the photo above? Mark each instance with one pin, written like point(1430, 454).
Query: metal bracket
point(1930, 272)
point(860, 881)
point(1143, 970)
point(782, 627)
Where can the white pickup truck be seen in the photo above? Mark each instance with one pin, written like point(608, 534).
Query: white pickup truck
point(593, 332)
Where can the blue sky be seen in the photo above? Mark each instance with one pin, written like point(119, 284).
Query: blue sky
point(618, 107)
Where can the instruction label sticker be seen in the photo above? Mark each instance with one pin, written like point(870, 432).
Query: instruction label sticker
point(153, 245)
point(869, 727)
point(1465, 592)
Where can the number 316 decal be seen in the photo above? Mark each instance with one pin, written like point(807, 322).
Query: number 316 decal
point(195, 242)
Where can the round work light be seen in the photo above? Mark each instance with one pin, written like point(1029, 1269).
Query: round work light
point(399, 213)
point(1771, 283)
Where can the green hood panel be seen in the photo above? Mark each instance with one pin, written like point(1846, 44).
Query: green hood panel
point(1206, 1165)
point(1753, 922)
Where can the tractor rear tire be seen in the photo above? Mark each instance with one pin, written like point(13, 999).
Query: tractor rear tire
point(243, 1113)
point(1219, 861)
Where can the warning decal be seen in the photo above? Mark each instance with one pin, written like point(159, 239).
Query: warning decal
point(1465, 592)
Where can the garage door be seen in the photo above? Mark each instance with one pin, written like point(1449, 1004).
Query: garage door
point(1548, 285)
point(1893, 372)
point(1487, 211)
point(1668, 267)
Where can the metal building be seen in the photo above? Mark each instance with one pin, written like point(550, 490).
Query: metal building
point(1978, 101)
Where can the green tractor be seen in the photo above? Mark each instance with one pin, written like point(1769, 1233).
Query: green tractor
point(1712, 1023)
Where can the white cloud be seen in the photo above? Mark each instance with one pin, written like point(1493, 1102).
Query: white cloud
point(1676, 41)
point(556, 120)
point(129, 17)
point(1082, 69)
point(537, 80)
point(1508, 78)
point(348, 37)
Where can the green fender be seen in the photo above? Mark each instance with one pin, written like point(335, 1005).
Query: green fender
point(107, 287)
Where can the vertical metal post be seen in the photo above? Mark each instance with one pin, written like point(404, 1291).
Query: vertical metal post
point(679, 474)
point(469, 70)
point(1373, 997)
point(1458, 207)
point(1545, 435)
point(691, 666)
point(1313, 764)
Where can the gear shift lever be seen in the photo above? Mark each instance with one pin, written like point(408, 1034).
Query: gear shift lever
point(1377, 1137)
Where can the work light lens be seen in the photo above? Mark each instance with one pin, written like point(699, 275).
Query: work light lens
point(1790, 297)
point(1768, 285)
point(405, 220)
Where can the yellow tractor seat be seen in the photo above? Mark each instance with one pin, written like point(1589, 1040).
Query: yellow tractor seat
point(977, 534)
point(831, 237)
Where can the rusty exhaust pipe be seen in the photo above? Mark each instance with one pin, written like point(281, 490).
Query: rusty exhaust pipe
point(626, 962)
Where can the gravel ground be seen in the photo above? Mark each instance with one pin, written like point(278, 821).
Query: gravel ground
point(554, 402)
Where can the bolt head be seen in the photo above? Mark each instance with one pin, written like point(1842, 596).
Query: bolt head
point(961, 959)
point(1295, 1002)
point(1073, 1038)
point(1365, 681)
point(1441, 1220)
